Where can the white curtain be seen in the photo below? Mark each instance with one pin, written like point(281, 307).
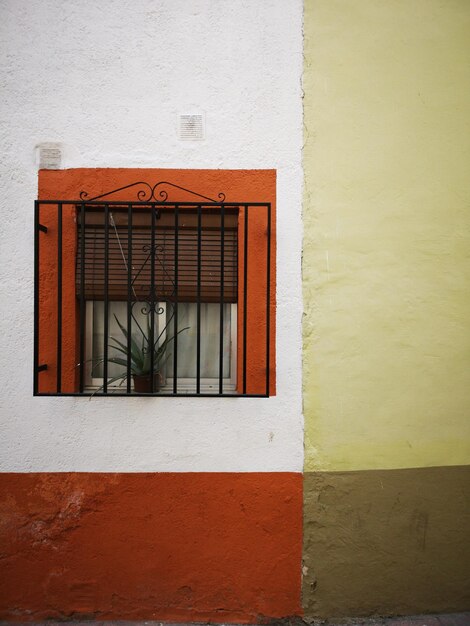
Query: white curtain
point(210, 341)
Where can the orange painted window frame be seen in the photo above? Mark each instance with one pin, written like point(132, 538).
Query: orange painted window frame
point(237, 185)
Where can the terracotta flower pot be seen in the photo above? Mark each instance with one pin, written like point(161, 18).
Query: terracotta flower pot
point(142, 384)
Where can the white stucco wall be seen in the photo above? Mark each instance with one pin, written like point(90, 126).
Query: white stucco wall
point(107, 80)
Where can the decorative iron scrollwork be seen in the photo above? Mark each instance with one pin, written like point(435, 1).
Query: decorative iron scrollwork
point(151, 194)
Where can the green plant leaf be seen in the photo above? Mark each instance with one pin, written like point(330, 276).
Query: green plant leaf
point(134, 347)
point(140, 358)
point(123, 362)
point(165, 343)
point(136, 356)
point(110, 382)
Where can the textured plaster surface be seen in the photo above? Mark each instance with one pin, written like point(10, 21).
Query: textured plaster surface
point(443, 619)
point(386, 262)
point(170, 546)
point(106, 81)
point(390, 542)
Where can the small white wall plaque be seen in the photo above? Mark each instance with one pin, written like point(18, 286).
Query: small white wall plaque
point(191, 126)
point(50, 156)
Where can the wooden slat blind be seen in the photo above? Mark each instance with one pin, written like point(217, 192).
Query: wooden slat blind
point(168, 285)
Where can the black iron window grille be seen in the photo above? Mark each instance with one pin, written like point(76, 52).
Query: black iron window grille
point(152, 297)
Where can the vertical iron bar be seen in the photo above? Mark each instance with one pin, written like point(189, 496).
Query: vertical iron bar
point(175, 331)
point(36, 299)
point(82, 300)
point(268, 299)
point(106, 298)
point(129, 294)
point(152, 298)
point(59, 298)
point(245, 293)
point(221, 322)
point(198, 300)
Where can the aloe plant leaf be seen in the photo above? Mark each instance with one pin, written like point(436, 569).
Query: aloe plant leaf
point(140, 358)
point(118, 361)
point(164, 344)
point(110, 382)
point(134, 346)
point(136, 323)
point(136, 356)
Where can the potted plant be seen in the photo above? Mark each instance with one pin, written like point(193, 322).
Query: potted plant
point(141, 356)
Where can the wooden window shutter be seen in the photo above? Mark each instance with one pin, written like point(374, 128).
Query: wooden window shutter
point(172, 281)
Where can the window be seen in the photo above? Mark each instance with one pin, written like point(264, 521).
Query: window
point(169, 298)
point(162, 272)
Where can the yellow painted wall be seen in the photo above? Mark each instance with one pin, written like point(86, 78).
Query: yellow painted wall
point(387, 233)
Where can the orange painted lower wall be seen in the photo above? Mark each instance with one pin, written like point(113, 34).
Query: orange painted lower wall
point(221, 547)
